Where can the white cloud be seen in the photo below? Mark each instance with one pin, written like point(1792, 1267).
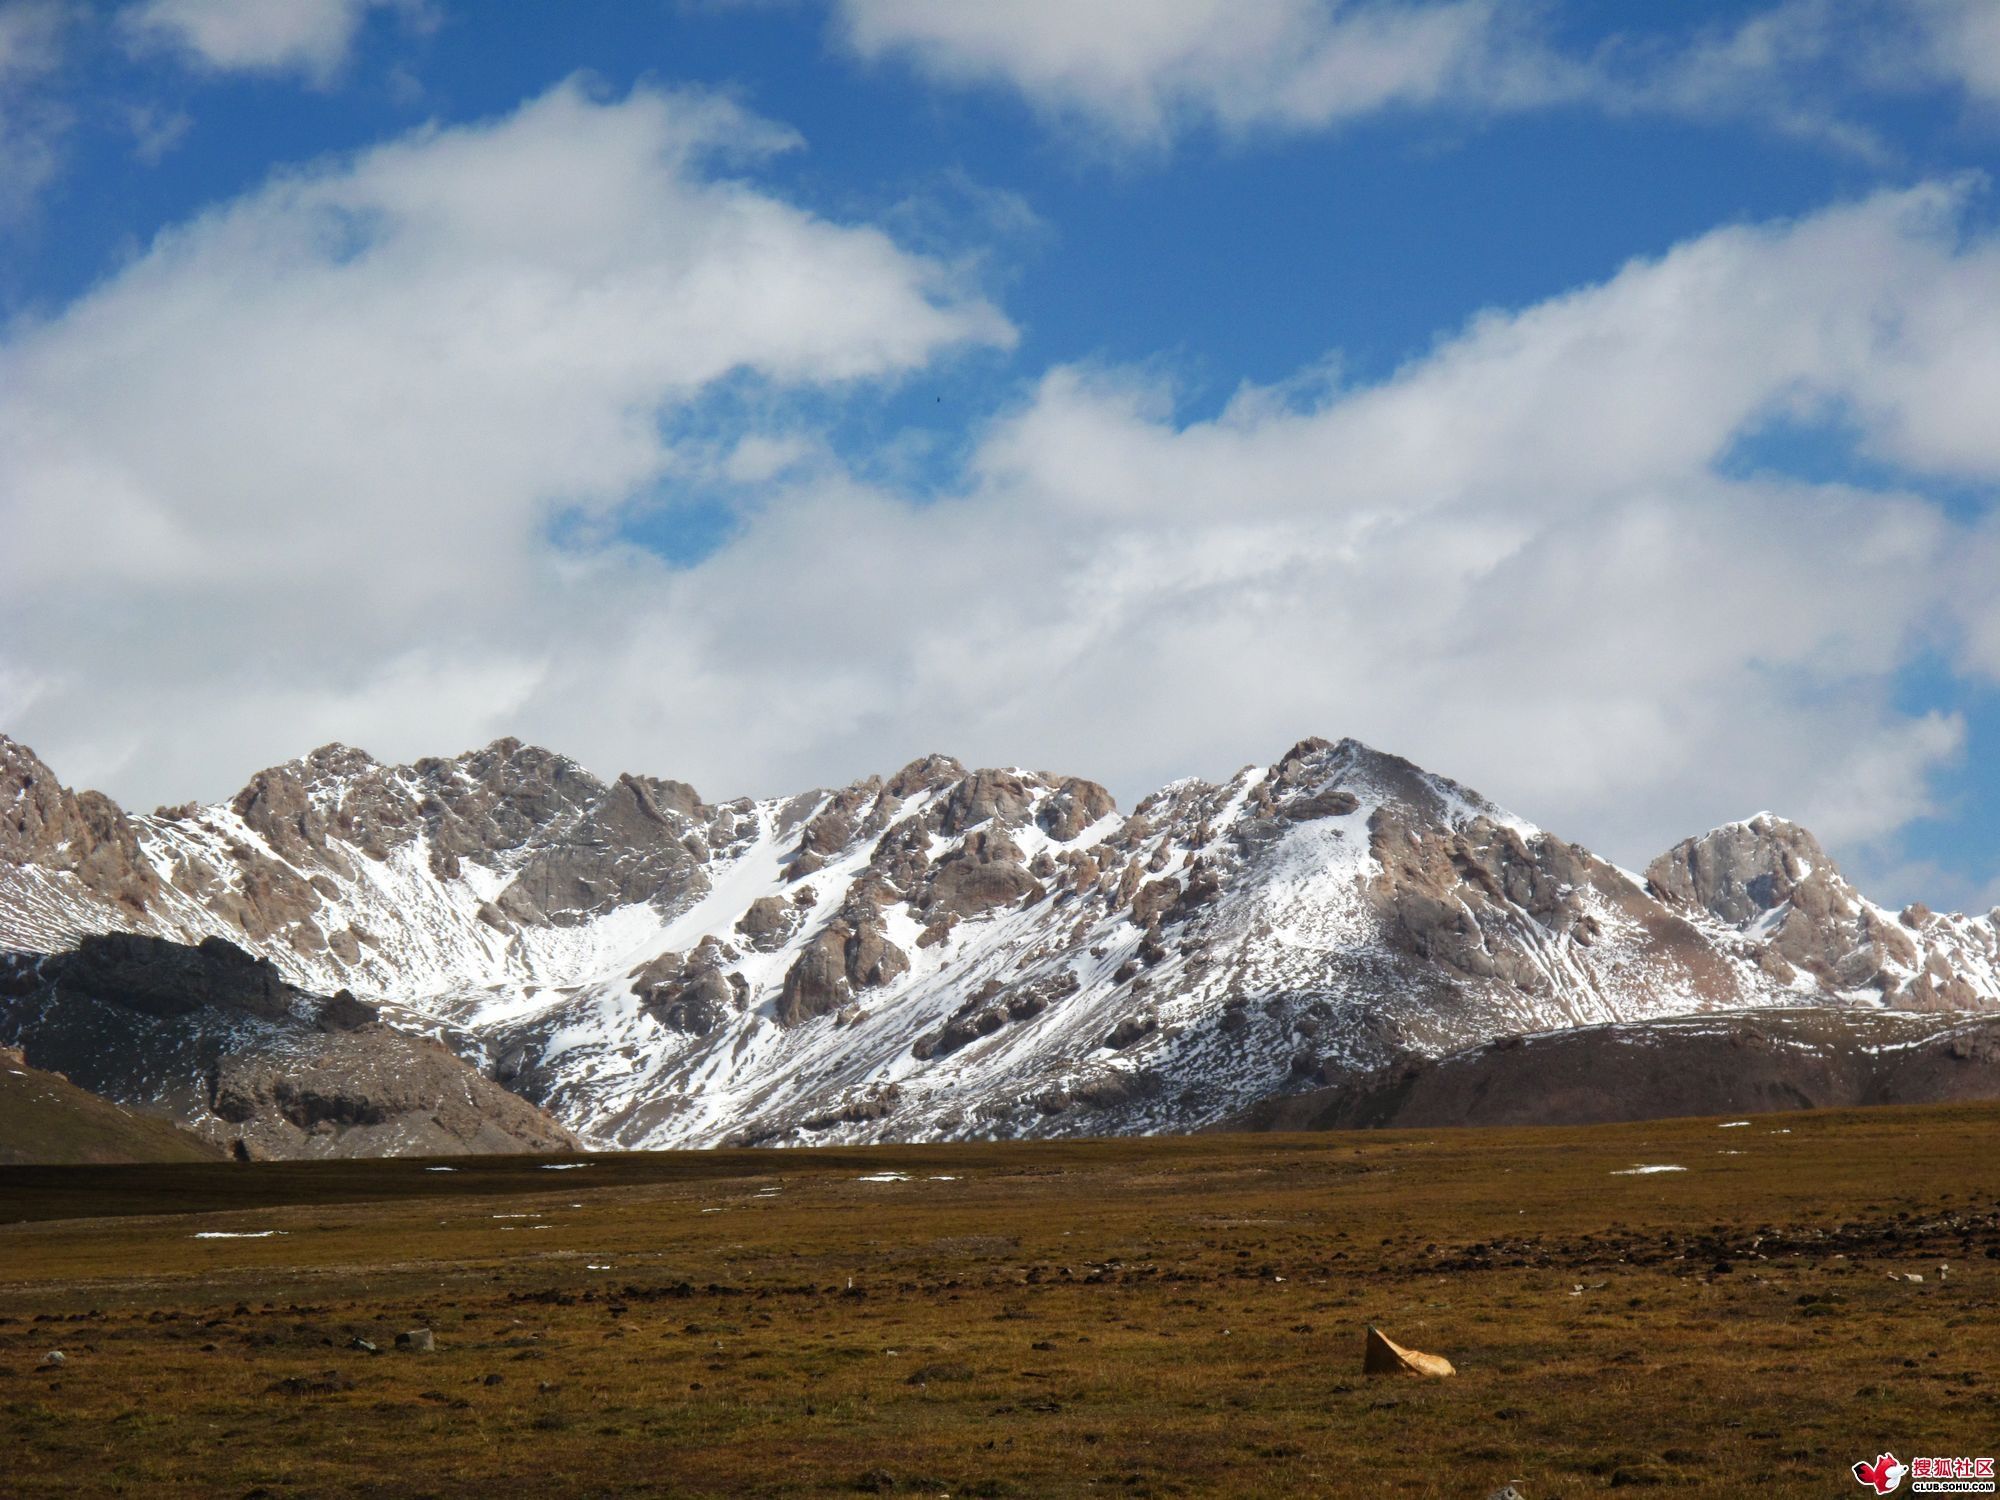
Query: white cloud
point(1144, 71)
point(1807, 67)
point(308, 37)
point(1960, 41)
point(1143, 68)
point(330, 425)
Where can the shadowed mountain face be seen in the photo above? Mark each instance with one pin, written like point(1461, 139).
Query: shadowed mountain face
point(215, 1038)
point(947, 952)
point(1818, 1057)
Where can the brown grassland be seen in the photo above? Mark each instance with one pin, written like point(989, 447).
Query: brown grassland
point(1135, 1317)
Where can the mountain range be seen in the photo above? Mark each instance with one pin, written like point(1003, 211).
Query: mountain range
point(501, 951)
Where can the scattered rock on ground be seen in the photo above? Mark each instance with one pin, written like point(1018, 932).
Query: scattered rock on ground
point(1382, 1355)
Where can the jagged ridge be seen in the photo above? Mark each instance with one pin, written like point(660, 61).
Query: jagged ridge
point(952, 952)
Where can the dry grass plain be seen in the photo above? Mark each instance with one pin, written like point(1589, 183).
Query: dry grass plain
point(1149, 1317)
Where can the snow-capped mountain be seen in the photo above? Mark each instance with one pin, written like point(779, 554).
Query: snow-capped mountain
point(948, 952)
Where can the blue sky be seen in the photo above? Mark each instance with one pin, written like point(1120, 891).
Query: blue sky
point(1590, 401)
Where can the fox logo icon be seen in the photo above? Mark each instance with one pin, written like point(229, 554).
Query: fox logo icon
point(1883, 1475)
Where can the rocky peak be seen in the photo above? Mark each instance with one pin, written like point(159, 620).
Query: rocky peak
point(1312, 775)
point(665, 796)
point(1743, 870)
point(17, 760)
point(1770, 879)
point(334, 761)
point(925, 774)
point(499, 798)
point(37, 813)
point(525, 773)
point(44, 823)
point(1004, 797)
point(625, 849)
point(335, 794)
point(320, 774)
point(277, 804)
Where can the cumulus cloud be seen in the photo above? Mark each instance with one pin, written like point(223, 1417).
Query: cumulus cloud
point(1144, 71)
point(314, 443)
point(1528, 555)
point(308, 37)
point(348, 458)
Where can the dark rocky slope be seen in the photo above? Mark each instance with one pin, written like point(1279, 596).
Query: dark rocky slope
point(1743, 1063)
point(214, 1037)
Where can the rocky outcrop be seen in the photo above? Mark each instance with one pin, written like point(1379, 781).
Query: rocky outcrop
point(925, 775)
point(872, 960)
point(694, 995)
point(631, 843)
point(768, 922)
point(505, 797)
point(162, 978)
point(1003, 797)
point(817, 982)
point(1076, 806)
point(990, 1009)
point(343, 1012)
point(380, 1094)
point(1741, 871)
point(850, 954)
point(984, 872)
point(877, 1104)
